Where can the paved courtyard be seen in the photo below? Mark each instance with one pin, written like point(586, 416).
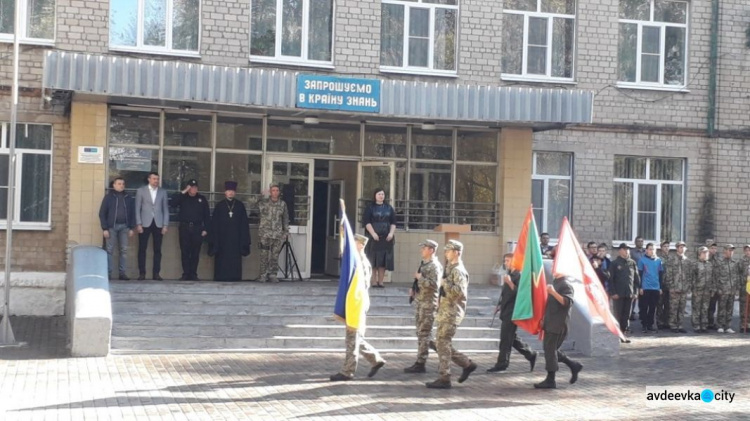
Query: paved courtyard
point(38, 382)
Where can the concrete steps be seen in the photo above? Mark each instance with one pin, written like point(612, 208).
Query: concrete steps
point(174, 316)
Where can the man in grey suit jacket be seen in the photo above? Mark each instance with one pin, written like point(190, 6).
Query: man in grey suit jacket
point(151, 217)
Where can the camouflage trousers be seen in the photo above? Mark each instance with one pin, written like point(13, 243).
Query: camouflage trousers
point(425, 318)
point(662, 309)
point(355, 340)
point(699, 304)
point(677, 302)
point(743, 301)
point(446, 352)
point(269, 257)
point(725, 308)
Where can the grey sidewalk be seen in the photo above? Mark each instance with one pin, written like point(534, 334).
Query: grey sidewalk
point(37, 383)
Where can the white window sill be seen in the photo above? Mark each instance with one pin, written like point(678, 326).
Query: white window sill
point(171, 53)
point(29, 41)
point(17, 226)
point(418, 72)
point(518, 78)
point(292, 62)
point(641, 86)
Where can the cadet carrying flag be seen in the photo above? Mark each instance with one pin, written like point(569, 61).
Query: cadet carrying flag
point(531, 299)
point(571, 261)
point(352, 300)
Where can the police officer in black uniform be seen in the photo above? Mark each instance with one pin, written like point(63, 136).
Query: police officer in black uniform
point(194, 219)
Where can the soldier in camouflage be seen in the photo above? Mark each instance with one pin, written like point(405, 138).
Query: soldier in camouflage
point(702, 281)
point(726, 277)
point(273, 231)
point(356, 339)
point(451, 311)
point(427, 279)
point(745, 269)
point(715, 259)
point(678, 278)
point(662, 308)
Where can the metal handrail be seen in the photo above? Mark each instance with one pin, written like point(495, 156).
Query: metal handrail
point(426, 215)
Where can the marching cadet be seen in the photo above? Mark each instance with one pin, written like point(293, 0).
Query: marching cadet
point(505, 306)
point(678, 279)
point(426, 296)
point(555, 327)
point(702, 280)
point(451, 311)
point(745, 269)
point(726, 276)
point(662, 308)
point(273, 231)
point(194, 218)
point(356, 339)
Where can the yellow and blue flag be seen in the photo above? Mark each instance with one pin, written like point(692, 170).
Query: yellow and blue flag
point(352, 300)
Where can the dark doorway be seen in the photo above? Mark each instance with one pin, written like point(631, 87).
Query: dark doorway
point(320, 219)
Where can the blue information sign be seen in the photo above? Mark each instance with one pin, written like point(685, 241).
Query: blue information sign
point(338, 93)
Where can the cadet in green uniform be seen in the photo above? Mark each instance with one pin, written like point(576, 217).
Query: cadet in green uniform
point(451, 311)
point(678, 278)
point(702, 280)
point(427, 279)
point(273, 231)
point(555, 327)
point(727, 276)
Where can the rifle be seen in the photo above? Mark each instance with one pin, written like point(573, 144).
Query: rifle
point(415, 284)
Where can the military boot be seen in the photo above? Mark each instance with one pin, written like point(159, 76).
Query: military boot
point(532, 359)
point(548, 383)
point(575, 368)
point(503, 361)
point(374, 370)
point(416, 368)
point(467, 371)
point(441, 383)
point(339, 377)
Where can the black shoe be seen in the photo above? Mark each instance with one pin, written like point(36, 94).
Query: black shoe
point(439, 384)
point(532, 360)
point(575, 368)
point(124, 277)
point(157, 278)
point(498, 368)
point(184, 278)
point(375, 368)
point(467, 371)
point(624, 341)
point(142, 277)
point(416, 368)
point(433, 346)
point(338, 377)
point(675, 330)
point(651, 329)
point(645, 330)
point(682, 330)
point(548, 383)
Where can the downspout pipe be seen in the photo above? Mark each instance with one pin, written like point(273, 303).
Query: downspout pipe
point(713, 69)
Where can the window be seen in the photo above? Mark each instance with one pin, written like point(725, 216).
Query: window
point(33, 175)
point(551, 185)
point(538, 39)
point(648, 198)
point(653, 43)
point(155, 26)
point(37, 20)
point(290, 30)
point(419, 36)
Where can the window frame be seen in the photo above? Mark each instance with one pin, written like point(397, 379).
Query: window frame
point(20, 152)
point(416, 70)
point(637, 182)
point(23, 39)
point(638, 84)
point(150, 49)
point(547, 77)
point(303, 59)
point(545, 178)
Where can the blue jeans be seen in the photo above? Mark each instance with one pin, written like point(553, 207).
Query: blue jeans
point(118, 234)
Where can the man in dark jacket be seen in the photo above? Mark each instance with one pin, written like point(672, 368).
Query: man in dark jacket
point(117, 218)
point(194, 217)
point(505, 306)
point(624, 282)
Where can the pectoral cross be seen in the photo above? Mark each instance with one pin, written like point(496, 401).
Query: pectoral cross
point(231, 213)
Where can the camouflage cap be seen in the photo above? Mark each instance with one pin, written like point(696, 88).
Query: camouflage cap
point(361, 239)
point(746, 247)
point(454, 245)
point(680, 243)
point(429, 243)
point(702, 249)
point(728, 246)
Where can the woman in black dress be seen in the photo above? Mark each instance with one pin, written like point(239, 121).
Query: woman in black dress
point(379, 221)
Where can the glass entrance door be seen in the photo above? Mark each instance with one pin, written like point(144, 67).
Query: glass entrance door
point(295, 179)
point(373, 175)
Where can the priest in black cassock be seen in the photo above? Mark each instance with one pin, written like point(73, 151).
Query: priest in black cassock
point(229, 238)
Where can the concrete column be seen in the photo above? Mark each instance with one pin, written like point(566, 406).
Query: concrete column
point(88, 127)
point(514, 181)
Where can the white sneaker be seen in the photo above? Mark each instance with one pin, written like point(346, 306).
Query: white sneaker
point(729, 330)
point(720, 330)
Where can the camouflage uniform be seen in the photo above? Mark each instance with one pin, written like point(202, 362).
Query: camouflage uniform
point(274, 224)
point(745, 274)
point(678, 275)
point(427, 300)
point(726, 278)
point(702, 282)
point(451, 311)
point(355, 340)
point(662, 308)
point(715, 260)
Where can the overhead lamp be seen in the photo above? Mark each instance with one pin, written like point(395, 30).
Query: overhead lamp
point(428, 125)
point(312, 120)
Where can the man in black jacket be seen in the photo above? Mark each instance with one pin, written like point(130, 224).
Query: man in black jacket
point(194, 218)
point(624, 282)
point(508, 336)
point(117, 218)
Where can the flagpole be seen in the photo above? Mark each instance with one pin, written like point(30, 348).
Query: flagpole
point(6, 330)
